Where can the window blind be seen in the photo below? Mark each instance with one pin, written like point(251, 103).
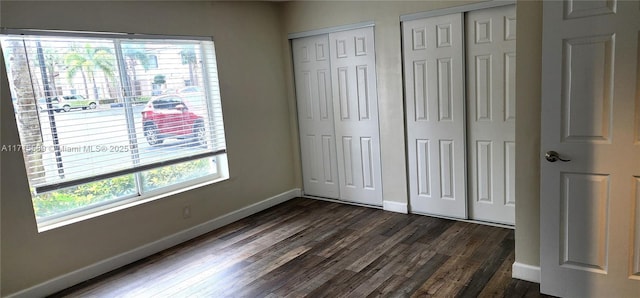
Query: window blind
point(90, 108)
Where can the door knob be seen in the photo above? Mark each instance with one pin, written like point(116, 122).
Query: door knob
point(553, 156)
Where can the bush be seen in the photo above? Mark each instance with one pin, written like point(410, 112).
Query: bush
point(99, 191)
point(159, 79)
point(107, 101)
point(141, 99)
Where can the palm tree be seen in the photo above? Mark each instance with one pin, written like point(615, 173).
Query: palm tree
point(52, 60)
point(25, 107)
point(88, 60)
point(135, 54)
point(188, 55)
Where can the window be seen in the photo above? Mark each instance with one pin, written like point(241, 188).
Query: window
point(102, 124)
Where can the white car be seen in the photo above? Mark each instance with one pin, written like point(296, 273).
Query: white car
point(67, 102)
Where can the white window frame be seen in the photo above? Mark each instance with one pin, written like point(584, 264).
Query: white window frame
point(141, 196)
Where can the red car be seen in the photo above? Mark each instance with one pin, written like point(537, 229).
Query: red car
point(168, 116)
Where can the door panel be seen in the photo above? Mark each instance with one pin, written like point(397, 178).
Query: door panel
point(584, 238)
point(434, 84)
point(589, 205)
point(356, 106)
point(315, 116)
point(491, 47)
point(587, 111)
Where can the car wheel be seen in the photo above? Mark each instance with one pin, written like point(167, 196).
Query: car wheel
point(151, 134)
point(199, 134)
point(66, 108)
point(92, 105)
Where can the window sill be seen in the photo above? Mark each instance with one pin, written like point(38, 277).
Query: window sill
point(128, 203)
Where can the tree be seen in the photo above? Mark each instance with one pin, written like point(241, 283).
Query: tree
point(134, 55)
point(88, 60)
point(188, 56)
point(158, 81)
point(52, 60)
point(26, 107)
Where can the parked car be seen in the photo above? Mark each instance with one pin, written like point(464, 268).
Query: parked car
point(168, 116)
point(67, 102)
point(42, 103)
point(190, 89)
point(169, 91)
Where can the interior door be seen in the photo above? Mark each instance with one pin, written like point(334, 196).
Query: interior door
point(315, 116)
point(434, 84)
point(355, 105)
point(491, 113)
point(590, 204)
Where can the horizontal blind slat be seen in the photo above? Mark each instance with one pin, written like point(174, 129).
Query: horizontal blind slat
point(87, 69)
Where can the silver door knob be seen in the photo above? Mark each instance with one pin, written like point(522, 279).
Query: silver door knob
point(553, 156)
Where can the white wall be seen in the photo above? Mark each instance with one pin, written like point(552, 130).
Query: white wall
point(249, 50)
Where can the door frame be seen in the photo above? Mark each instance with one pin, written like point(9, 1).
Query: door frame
point(455, 9)
point(328, 30)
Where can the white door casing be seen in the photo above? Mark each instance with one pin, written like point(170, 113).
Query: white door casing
point(490, 86)
point(434, 84)
point(312, 71)
point(590, 206)
point(355, 105)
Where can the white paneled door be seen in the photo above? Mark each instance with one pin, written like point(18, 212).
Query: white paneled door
point(491, 113)
point(312, 70)
point(590, 203)
point(335, 76)
point(355, 106)
point(434, 84)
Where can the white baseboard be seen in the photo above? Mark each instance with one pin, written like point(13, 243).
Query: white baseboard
point(395, 207)
point(525, 272)
point(341, 202)
point(67, 280)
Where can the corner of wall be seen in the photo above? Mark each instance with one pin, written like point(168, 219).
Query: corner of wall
point(525, 272)
point(395, 207)
point(528, 92)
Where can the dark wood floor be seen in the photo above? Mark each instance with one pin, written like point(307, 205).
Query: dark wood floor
point(314, 248)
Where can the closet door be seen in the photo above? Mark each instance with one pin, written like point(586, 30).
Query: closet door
point(315, 116)
point(491, 115)
point(434, 85)
point(355, 105)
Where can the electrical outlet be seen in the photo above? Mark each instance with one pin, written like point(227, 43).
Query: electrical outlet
point(186, 212)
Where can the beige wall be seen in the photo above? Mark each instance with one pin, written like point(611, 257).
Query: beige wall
point(305, 16)
point(528, 76)
point(249, 50)
point(259, 105)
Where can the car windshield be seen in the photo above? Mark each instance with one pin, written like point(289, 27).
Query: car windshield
point(167, 103)
point(72, 97)
point(189, 89)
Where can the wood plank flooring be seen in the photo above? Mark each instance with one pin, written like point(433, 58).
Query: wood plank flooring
point(314, 248)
